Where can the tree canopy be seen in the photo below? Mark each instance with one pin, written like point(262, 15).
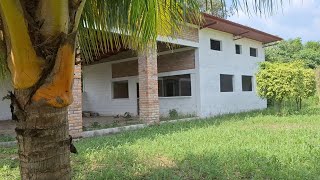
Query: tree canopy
point(294, 49)
point(279, 81)
point(216, 8)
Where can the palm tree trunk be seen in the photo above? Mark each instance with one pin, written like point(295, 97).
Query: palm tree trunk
point(40, 38)
point(43, 140)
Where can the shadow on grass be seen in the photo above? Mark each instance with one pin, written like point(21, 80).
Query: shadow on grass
point(232, 164)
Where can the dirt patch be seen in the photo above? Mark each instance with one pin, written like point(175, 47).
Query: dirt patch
point(160, 161)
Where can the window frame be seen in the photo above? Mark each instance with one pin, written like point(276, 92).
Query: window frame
point(251, 81)
point(240, 48)
point(113, 94)
point(232, 81)
point(256, 54)
point(179, 82)
point(220, 45)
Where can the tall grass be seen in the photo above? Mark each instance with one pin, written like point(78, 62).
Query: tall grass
point(254, 145)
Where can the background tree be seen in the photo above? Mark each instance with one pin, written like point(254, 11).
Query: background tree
point(38, 47)
point(294, 49)
point(216, 8)
point(303, 83)
point(318, 82)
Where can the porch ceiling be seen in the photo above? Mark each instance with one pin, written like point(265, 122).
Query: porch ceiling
point(124, 53)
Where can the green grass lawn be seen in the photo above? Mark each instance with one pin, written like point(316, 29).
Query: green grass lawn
point(6, 138)
point(255, 145)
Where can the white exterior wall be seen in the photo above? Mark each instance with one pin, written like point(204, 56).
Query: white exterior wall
point(5, 113)
point(206, 99)
point(213, 63)
point(98, 96)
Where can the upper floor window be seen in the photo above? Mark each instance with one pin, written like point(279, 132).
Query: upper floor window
point(246, 83)
point(120, 89)
point(226, 83)
point(253, 52)
point(215, 45)
point(238, 49)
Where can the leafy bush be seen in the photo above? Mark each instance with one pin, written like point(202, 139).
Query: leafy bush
point(318, 82)
point(285, 81)
point(173, 113)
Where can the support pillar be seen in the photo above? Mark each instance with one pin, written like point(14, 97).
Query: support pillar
point(148, 86)
point(75, 109)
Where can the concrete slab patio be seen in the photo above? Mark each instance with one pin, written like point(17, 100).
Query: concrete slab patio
point(7, 127)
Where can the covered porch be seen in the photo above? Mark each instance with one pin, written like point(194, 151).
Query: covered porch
point(125, 82)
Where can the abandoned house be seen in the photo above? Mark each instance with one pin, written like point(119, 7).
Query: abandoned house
point(210, 71)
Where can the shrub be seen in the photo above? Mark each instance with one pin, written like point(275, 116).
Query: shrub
point(173, 113)
point(318, 82)
point(285, 81)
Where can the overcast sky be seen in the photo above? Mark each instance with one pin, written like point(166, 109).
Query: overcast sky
point(300, 18)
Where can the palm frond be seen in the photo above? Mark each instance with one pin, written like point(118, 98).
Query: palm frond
point(4, 72)
point(258, 7)
point(107, 25)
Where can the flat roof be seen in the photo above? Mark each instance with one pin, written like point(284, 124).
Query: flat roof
point(237, 30)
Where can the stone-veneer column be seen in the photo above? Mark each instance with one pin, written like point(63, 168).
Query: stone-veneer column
point(148, 86)
point(75, 109)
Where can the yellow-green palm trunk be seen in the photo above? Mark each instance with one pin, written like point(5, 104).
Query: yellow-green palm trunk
point(43, 141)
point(40, 38)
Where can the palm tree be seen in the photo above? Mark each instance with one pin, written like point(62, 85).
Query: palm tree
point(38, 40)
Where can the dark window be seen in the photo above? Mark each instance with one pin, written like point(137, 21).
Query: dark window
point(215, 45)
point(226, 83)
point(179, 85)
point(253, 52)
point(238, 49)
point(246, 83)
point(120, 89)
point(160, 87)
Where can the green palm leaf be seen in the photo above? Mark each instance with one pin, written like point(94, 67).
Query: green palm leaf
point(107, 25)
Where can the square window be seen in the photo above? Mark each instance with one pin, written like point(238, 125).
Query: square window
point(226, 83)
point(238, 49)
point(246, 83)
point(120, 90)
point(215, 45)
point(253, 52)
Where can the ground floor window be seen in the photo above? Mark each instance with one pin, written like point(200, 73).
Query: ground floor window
point(120, 89)
point(226, 83)
point(246, 83)
point(179, 85)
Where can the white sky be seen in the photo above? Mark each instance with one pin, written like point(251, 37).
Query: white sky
point(299, 18)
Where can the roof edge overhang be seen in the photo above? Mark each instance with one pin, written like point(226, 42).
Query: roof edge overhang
point(237, 30)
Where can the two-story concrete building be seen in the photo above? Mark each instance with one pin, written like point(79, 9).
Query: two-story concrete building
point(210, 71)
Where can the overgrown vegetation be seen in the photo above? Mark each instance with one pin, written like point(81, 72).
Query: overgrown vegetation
point(289, 81)
point(254, 145)
point(291, 50)
point(216, 8)
point(174, 114)
point(294, 49)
